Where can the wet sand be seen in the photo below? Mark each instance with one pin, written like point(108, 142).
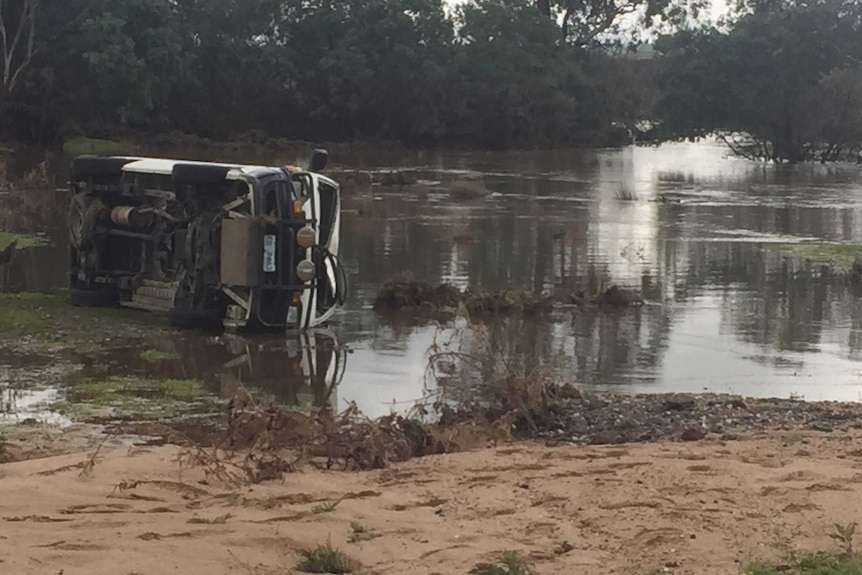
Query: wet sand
point(704, 507)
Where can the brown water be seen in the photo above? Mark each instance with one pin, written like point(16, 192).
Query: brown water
point(683, 223)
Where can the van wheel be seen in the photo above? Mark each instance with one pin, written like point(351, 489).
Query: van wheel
point(182, 318)
point(94, 298)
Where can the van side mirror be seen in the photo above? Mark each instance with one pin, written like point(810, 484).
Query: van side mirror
point(319, 158)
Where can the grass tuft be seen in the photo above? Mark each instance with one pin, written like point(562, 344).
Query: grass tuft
point(815, 564)
point(361, 532)
point(155, 355)
point(220, 520)
point(326, 559)
point(325, 507)
point(510, 563)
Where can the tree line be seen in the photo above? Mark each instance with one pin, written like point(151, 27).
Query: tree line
point(782, 80)
point(487, 74)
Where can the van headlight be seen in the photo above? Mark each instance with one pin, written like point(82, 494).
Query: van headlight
point(305, 270)
point(305, 237)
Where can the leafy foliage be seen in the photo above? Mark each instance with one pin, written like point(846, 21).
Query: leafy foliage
point(787, 74)
point(493, 73)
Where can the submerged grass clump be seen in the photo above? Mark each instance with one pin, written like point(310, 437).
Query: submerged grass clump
point(118, 389)
point(48, 322)
point(22, 241)
point(156, 355)
point(131, 397)
point(79, 146)
point(843, 258)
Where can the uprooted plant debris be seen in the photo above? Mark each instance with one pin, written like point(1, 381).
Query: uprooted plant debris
point(425, 299)
point(262, 444)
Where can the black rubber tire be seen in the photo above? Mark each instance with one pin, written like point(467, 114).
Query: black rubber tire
point(98, 166)
point(194, 174)
point(194, 319)
point(94, 298)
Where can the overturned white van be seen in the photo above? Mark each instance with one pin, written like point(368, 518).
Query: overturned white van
point(211, 244)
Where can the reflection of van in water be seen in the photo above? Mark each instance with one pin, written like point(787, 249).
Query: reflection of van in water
point(304, 369)
point(211, 244)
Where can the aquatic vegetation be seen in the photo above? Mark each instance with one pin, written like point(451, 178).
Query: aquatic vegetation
point(47, 322)
point(78, 146)
point(131, 397)
point(22, 241)
point(843, 258)
point(156, 355)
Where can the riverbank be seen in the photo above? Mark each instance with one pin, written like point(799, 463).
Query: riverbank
point(710, 507)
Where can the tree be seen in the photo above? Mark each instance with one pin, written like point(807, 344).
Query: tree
point(17, 39)
point(134, 54)
point(601, 22)
point(758, 78)
point(516, 85)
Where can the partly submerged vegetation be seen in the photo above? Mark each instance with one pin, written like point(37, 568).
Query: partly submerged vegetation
point(21, 241)
point(132, 398)
point(46, 322)
point(841, 258)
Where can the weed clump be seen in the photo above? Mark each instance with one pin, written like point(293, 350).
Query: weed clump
point(510, 563)
point(326, 559)
point(360, 532)
point(444, 299)
point(423, 300)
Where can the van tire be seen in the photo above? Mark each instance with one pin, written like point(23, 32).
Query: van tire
point(88, 166)
point(94, 298)
point(182, 318)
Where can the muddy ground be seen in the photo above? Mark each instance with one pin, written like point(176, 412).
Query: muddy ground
point(701, 508)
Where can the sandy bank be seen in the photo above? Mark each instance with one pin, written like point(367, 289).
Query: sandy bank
point(705, 507)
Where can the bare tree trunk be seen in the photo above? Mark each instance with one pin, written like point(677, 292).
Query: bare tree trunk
point(17, 41)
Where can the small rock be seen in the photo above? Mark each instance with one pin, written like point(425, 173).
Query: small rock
point(822, 427)
point(679, 402)
point(604, 438)
point(693, 434)
point(672, 564)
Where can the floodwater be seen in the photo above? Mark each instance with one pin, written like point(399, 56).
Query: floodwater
point(686, 225)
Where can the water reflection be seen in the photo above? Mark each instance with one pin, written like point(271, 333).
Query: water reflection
point(683, 223)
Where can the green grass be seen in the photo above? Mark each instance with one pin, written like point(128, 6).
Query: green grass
point(131, 397)
point(840, 257)
point(325, 559)
point(78, 146)
point(155, 355)
point(24, 241)
point(814, 564)
point(116, 390)
point(38, 322)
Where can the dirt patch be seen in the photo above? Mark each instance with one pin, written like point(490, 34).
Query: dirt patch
point(567, 509)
